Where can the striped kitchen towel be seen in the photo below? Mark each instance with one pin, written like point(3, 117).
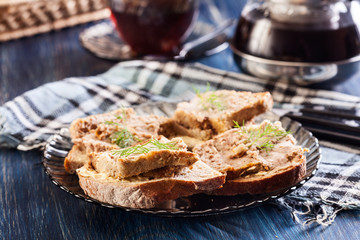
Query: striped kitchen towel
point(29, 120)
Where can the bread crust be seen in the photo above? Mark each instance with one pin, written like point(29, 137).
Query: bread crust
point(115, 193)
point(141, 193)
point(282, 179)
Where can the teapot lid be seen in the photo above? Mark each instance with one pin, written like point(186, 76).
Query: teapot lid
point(303, 11)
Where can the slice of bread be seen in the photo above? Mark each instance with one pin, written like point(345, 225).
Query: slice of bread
point(217, 110)
point(79, 153)
point(82, 126)
point(103, 132)
point(104, 125)
point(262, 182)
point(254, 160)
point(142, 158)
point(146, 191)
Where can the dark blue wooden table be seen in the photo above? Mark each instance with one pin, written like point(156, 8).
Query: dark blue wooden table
point(34, 208)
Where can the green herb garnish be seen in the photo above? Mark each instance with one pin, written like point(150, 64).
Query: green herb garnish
point(123, 138)
point(153, 144)
point(121, 117)
point(262, 138)
point(214, 102)
point(112, 123)
point(211, 101)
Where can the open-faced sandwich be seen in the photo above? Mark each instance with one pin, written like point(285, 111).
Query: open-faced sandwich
point(210, 145)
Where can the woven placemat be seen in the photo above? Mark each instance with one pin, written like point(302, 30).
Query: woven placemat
point(26, 18)
point(104, 41)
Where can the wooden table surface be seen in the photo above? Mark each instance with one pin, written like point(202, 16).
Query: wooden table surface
point(34, 208)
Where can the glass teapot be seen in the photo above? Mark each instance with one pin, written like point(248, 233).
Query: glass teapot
point(292, 38)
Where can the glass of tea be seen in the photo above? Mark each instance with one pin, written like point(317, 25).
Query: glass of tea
point(154, 26)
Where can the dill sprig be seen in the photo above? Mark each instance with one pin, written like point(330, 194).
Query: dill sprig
point(262, 138)
point(121, 117)
point(123, 138)
point(214, 102)
point(112, 123)
point(211, 100)
point(153, 144)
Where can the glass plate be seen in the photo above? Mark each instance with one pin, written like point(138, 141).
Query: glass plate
point(196, 205)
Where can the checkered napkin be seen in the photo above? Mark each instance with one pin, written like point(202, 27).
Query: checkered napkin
point(29, 120)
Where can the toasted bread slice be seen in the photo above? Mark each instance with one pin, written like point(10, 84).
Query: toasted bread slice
point(278, 178)
point(147, 191)
point(117, 129)
point(142, 158)
point(79, 153)
point(251, 156)
point(217, 110)
point(104, 125)
point(223, 154)
point(82, 126)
